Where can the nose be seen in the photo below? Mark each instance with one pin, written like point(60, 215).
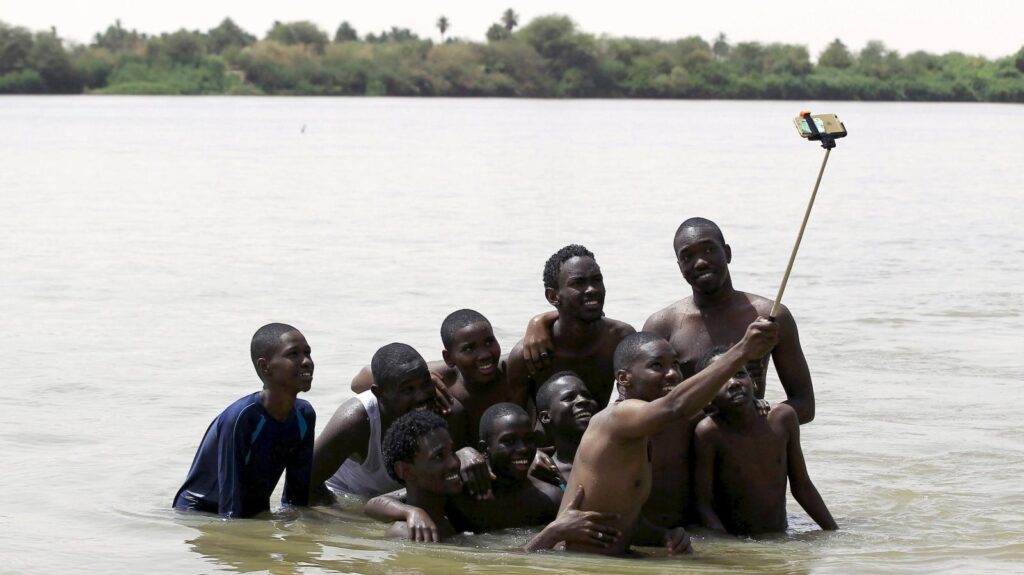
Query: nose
point(674, 376)
point(307, 361)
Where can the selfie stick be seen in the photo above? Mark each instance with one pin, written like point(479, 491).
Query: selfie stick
point(828, 141)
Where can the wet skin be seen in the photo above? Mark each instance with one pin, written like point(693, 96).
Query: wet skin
point(583, 341)
point(717, 314)
point(743, 461)
point(431, 478)
point(565, 418)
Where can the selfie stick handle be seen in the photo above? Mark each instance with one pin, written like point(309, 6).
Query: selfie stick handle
point(800, 236)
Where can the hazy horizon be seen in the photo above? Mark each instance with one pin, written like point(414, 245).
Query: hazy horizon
point(936, 26)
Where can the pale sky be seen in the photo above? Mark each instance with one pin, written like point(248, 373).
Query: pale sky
point(992, 28)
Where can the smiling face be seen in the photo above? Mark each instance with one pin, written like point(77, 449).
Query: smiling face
point(511, 447)
point(435, 468)
point(653, 372)
point(703, 258)
point(290, 367)
point(570, 407)
point(474, 352)
point(413, 390)
point(580, 292)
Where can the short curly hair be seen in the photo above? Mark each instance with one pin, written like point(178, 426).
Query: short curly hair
point(554, 264)
point(402, 440)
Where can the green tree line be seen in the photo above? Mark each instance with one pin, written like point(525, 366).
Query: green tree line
point(547, 57)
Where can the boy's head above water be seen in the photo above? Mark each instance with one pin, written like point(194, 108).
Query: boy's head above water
point(418, 453)
point(508, 440)
point(401, 380)
point(573, 284)
point(282, 357)
point(738, 393)
point(470, 346)
point(646, 367)
point(564, 404)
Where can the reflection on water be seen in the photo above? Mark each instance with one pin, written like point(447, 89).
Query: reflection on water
point(145, 239)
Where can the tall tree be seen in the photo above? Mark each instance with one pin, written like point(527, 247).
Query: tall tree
point(836, 55)
point(496, 33)
point(720, 47)
point(346, 33)
point(510, 20)
point(226, 35)
point(442, 25)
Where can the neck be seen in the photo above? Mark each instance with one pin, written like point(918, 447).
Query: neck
point(565, 448)
point(574, 334)
point(713, 299)
point(741, 417)
point(432, 503)
point(277, 402)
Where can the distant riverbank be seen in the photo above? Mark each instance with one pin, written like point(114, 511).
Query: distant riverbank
point(547, 58)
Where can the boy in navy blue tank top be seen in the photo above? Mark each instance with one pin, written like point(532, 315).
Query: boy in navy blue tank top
point(260, 436)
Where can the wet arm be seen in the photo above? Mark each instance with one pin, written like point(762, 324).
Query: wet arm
point(804, 491)
point(347, 433)
point(791, 366)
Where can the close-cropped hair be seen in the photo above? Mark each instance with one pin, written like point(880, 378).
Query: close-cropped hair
point(394, 361)
point(456, 321)
point(630, 345)
point(493, 414)
point(266, 339)
point(701, 223)
point(710, 356)
point(402, 440)
point(554, 264)
point(547, 389)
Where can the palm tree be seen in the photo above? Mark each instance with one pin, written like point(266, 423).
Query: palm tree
point(510, 19)
point(443, 25)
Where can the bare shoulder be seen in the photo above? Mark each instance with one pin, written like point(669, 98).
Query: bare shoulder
point(783, 414)
point(670, 314)
point(550, 492)
point(618, 329)
point(706, 429)
point(350, 412)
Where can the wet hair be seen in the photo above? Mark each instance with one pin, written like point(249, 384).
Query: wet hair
point(402, 440)
point(456, 321)
point(266, 340)
point(547, 389)
point(628, 348)
point(710, 356)
point(701, 223)
point(392, 362)
point(554, 263)
point(494, 413)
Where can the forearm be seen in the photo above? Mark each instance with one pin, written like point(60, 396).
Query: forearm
point(809, 498)
point(803, 406)
point(550, 536)
point(388, 508)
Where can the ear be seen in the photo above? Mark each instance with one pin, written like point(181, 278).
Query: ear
point(622, 378)
point(551, 295)
point(728, 254)
point(447, 357)
point(375, 389)
point(481, 446)
point(404, 470)
point(544, 417)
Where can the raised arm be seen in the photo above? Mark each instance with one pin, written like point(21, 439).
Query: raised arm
point(704, 474)
point(791, 366)
point(347, 433)
point(799, 481)
point(641, 419)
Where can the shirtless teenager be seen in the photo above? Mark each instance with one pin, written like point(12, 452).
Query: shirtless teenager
point(717, 314)
point(743, 461)
point(613, 462)
point(582, 339)
point(565, 408)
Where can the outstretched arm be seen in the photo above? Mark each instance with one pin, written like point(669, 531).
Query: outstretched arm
point(791, 366)
point(347, 432)
point(392, 507)
point(800, 482)
point(641, 419)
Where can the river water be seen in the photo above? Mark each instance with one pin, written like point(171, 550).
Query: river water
point(145, 239)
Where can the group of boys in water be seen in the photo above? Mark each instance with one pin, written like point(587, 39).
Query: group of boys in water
point(605, 436)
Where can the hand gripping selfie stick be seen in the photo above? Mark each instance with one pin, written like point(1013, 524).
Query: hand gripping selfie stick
point(824, 128)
